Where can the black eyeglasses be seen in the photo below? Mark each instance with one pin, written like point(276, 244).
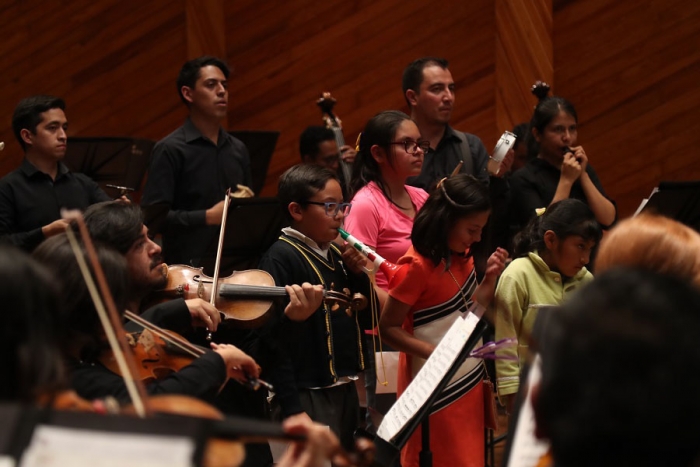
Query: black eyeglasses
point(333, 208)
point(411, 146)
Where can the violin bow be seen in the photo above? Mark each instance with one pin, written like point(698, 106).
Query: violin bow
point(106, 310)
point(219, 249)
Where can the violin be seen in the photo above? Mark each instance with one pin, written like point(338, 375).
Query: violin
point(160, 352)
point(156, 358)
point(244, 298)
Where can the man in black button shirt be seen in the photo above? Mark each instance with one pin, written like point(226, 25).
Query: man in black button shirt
point(32, 196)
point(193, 166)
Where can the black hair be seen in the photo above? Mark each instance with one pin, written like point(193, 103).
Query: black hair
point(300, 182)
point(311, 137)
point(413, 73)
point(620, 359)
point(28, 112)
point(520, 131)
point(454, 198)
point(77, 311)
point(565, 218)
point(546, 109)
point(31, 361)
point(115, 224)
point(380, 130)
point(190, 72)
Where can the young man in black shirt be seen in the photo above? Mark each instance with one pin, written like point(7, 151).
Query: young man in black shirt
point(32, 196)
point(192, 167)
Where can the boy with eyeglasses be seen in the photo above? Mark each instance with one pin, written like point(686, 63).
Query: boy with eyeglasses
point(316, 352)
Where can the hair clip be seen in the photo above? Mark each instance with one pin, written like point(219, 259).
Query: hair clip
point(540, 89)
point(540, 211)
point(357, 142)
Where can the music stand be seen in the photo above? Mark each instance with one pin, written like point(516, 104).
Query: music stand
point(21, 422)
point(252, 226)
point(677, 200)
point(261, 145)
point(110, 161)
point(388, 450)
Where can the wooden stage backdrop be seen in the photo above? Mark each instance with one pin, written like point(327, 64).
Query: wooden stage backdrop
point(631, 67)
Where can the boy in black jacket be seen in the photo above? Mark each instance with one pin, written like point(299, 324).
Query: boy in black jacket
point(320, 350)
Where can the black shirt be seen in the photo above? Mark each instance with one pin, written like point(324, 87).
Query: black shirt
point(441, 161)
point(190, 174)
point(535, 185)
point(30, 199)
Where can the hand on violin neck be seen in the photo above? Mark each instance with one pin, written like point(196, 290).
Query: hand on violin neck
point(304, 300)
point(354, 260)
point(239, 365)
point(203, 313)
point(214, 214)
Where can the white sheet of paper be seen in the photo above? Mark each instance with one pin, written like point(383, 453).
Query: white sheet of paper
point(427, 379)
point(59, 446)
point(645, 201)
point(527, 449)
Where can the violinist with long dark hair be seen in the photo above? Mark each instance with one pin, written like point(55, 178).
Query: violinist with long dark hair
point(120, 226)
point(83, 340)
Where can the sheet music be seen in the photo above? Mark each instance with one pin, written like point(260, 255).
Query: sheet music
point(427, 379)
point(527, 449)
point(645, 201)
point(59, 446)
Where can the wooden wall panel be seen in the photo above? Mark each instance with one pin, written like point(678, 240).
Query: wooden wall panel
point(630, 67)
point(632, 71)
point(113, 61)
point(287, 54)
point(524, 54)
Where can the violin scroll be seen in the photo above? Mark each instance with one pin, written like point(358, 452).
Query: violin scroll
point(344, 300)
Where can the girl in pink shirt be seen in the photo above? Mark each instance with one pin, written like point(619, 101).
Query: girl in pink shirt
point(390, 150)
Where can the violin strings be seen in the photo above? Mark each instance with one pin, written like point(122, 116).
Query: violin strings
point(182, 344)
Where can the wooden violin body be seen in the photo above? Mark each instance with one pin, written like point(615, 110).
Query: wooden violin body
point(188, 282)
point(244, 298)
point(155, 357)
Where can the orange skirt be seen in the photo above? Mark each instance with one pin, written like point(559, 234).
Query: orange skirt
point(456, 434)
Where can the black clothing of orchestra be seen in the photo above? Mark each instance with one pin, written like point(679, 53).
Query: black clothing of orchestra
point(190, 174)
point(234, 398)
point(30, 199)
point(441, 161)
point(535, 185)
point(327, 346)
point(201, 379)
